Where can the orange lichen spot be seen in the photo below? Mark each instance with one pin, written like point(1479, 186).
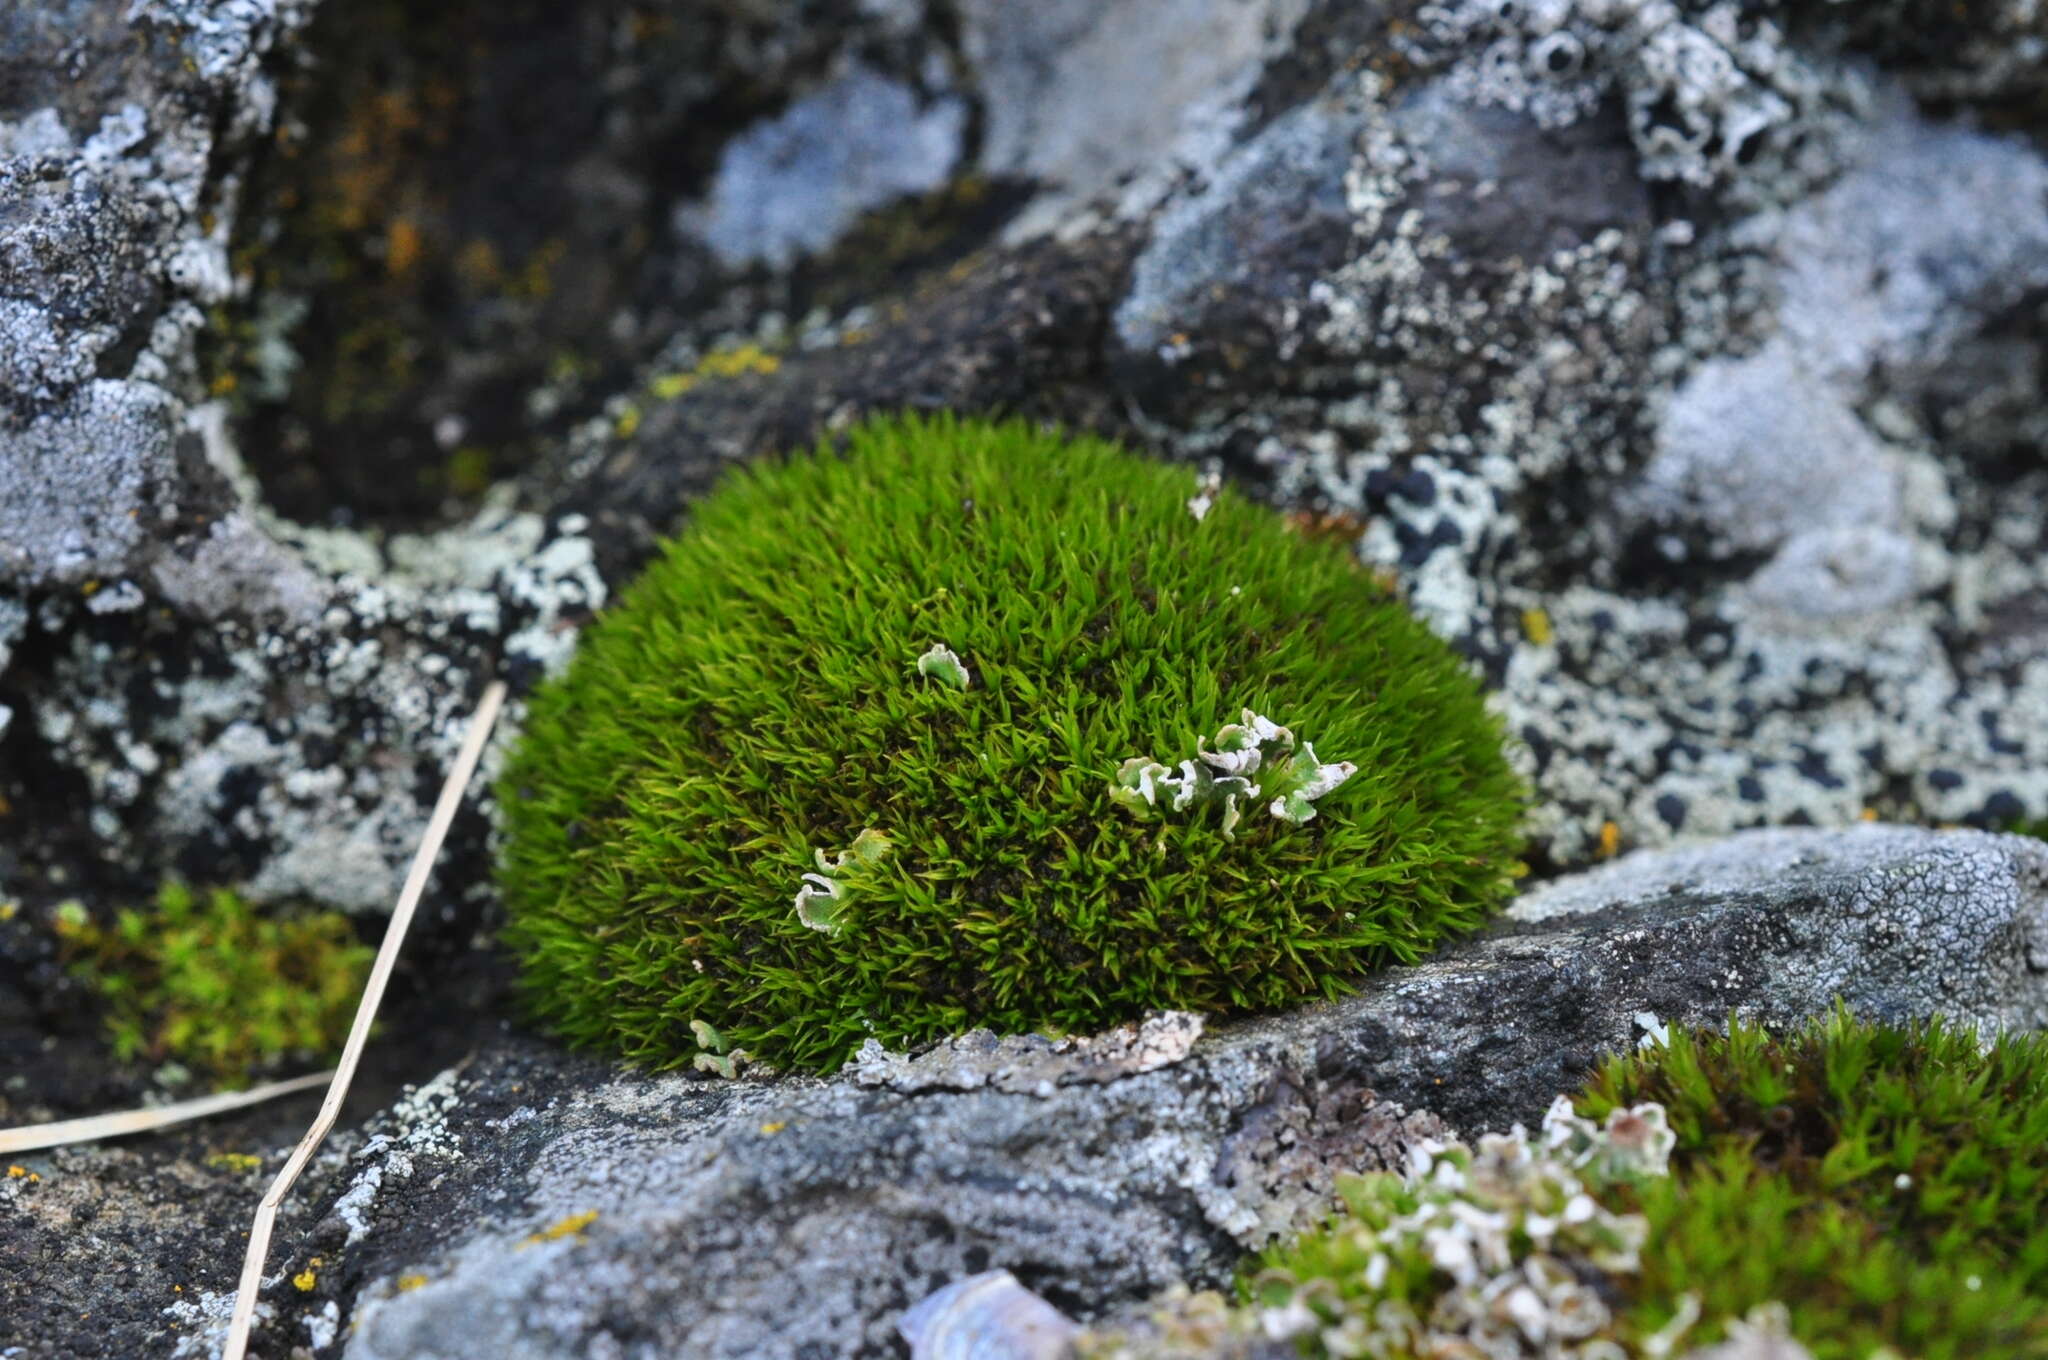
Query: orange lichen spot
point(1610, 839)
point(89, 589)
point(1336, 526)
point(15, 1173)
point(408, 1283)
point(403, 246)
point(1536, 626)
point(774, 1126)
point(854, 335)
point(305, 1280)
point(1868, 814)
point(572, 1226)
point(222, 384)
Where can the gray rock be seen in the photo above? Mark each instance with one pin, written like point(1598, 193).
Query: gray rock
point(1087, 97)
point(1271, 219)
point(791, 185)
point(1736, 509)
point(1753, 450)
point(93, 486)
point(111, 241)
point(537, 1207)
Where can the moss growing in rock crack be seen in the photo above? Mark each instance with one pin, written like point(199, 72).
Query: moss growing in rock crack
point(1888, 1185)
point(1865, 1190)
point(748, 804)
point(202, 979)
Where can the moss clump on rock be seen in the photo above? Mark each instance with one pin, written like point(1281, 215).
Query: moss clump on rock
point(1860, 1190)
point(203, 979)
point(1888, 1185)
point(969, 724)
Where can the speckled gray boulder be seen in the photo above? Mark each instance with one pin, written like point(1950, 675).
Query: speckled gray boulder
point(1681, 371)
point(532, 1206)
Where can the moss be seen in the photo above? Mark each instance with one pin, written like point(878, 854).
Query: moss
point(1865, 1189)
point(747, 810)
point(1888, 1185)
point(2037, 829)
point(201, 978)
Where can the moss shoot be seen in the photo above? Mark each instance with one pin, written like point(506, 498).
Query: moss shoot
point(1864, 1190)
point(968, 724)
point(1888, 1185)
point(203, 979)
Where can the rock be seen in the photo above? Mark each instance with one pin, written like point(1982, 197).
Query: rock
point(534, 1205)
point(792, 185)
point(1751, 451)
point(128, 1249)
point(110, 246)
point(1062, 109)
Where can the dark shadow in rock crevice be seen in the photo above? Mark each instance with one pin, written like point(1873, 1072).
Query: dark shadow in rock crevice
point(462, 240)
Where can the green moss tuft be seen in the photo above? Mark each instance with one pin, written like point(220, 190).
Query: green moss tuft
point(205, 980)
point(1888, 1185)
point(768, 710)
point(1866, 1190)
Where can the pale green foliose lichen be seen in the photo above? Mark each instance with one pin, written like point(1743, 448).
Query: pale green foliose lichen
point(821, 900)
point(942, 664)
point(1254, 759)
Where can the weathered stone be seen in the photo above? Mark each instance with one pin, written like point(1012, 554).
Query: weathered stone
point(534, 1206)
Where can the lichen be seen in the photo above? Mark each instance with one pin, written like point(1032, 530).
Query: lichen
point(1844, 1191)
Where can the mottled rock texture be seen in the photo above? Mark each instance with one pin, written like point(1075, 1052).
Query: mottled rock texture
point(1680, 366)
point(532, 1206)
point(1681, 361)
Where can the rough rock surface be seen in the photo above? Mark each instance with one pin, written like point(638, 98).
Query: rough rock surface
point(1681, 361)
point(532, 1206)
point(1560, 304)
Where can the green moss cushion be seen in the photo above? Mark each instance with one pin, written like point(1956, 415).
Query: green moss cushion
point(1888, 1184)
point(890, 743)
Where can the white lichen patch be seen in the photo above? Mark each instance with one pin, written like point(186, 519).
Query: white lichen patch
point(201, 1317)
point(1254, 759)
point(418, 1130)
point(1515, 1229)
point(821, 899)
point(943, 664)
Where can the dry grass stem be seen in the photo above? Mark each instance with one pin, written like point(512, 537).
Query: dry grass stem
point(373, 992)
point(31, 1137)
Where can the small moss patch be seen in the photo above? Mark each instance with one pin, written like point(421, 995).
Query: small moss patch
point(1864, 1190)
point(202, 978)
point(1888, 1185)
point(962, 726)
